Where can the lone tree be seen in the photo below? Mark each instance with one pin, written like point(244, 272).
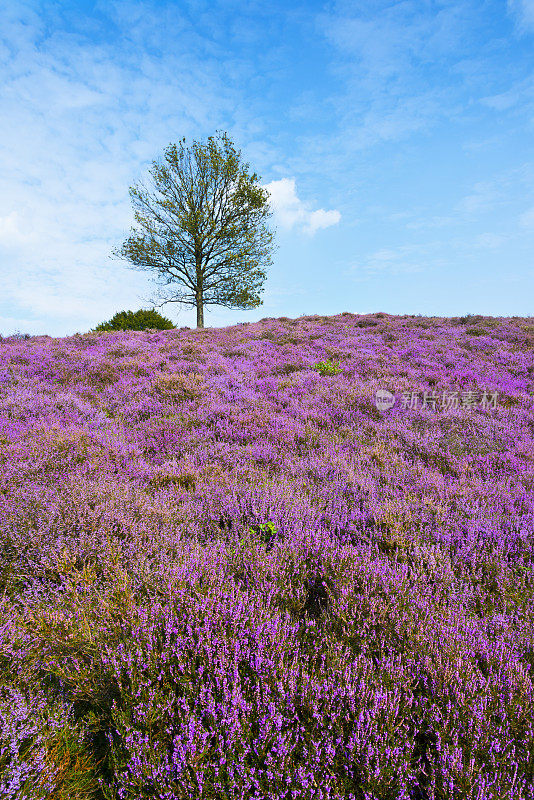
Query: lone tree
point(203, 228)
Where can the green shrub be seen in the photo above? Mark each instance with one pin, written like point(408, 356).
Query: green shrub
point(327, 367)
point(476, 331)
point(141, 320)
point(470, 318)
point(266, 531)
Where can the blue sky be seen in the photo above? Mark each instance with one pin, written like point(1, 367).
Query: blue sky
point(395, 138)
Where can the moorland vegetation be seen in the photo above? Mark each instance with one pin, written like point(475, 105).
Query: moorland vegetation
point(224, 573)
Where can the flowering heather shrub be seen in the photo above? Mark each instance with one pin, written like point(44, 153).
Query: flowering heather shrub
point(225, 574)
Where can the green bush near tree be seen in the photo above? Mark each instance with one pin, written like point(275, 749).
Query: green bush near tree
point(141, 320)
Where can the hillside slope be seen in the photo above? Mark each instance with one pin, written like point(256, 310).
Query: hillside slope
point(226, 573)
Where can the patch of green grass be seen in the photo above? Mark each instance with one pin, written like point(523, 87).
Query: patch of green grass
point(476, 331)
point(327, 367)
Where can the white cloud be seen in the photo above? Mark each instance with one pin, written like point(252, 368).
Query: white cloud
point(430, 222)
point(523, 12)
point(401, 260)
point(393, 39)
point(484, 197)
point(291, 212)
point(489, 240)
point(383, 53)
point(83, 114)
point(527, 218)
point(500, 192)
point(321, 219)
point(501, 102)
point(15, 230)
point(520, 93)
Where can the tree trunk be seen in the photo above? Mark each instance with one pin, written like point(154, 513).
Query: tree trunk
point(200, 315)
point(199, 288)
point(200, 310)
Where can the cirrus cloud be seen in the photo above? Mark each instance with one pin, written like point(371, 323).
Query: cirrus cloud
point(526, 219)
point(523, 11)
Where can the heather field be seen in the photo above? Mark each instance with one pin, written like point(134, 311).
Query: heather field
point(226, 575)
